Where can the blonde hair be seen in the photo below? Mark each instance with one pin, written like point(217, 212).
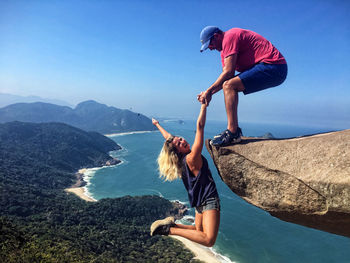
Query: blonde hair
point(169, 161)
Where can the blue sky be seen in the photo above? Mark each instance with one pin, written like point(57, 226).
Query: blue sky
point(144, 56)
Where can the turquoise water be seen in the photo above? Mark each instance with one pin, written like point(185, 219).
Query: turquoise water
point(247, 234)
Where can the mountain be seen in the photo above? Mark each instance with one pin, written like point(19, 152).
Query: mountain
point(89, 116)
point(39, 222)
point(8, 99)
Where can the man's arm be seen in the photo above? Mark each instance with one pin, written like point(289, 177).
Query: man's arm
point(227, 73)
point(165, 134)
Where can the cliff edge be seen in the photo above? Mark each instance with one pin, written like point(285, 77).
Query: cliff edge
point(304, 180)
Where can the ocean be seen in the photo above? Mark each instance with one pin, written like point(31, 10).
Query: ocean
point(247, 234)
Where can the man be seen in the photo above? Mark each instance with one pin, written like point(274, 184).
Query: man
point(260, 64)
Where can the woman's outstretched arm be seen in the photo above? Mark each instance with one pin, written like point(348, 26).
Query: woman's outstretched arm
point(194, 159)
point(165, 134)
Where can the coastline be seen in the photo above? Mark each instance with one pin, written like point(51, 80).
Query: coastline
point(202, 253)
point(125, 133)
point(79, 188)
point(80, 192)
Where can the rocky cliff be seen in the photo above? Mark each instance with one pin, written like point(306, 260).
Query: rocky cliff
point(304, 180)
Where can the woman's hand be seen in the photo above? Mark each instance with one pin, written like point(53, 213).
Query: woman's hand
point(155, 122)
point(204, 103)
point(165, 134)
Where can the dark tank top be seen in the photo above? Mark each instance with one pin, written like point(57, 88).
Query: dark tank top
point(200, 187)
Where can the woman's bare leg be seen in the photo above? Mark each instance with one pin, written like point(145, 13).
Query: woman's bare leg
point(198, 222)
point(209, 223)
point(186, 226)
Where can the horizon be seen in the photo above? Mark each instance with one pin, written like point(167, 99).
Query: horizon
point(142, 55)
point(323, 129)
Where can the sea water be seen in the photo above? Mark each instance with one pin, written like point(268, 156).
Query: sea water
point(246, 234)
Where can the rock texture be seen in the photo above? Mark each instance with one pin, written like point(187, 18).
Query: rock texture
point(304, 180)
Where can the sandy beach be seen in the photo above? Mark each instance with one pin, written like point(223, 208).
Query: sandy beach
point(79, 191)
point(200, 252)
point(78, 188)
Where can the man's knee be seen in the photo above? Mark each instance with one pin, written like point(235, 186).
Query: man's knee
point(226, 86)
point(234, 84)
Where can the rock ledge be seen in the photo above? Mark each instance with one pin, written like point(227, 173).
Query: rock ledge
point(304, 180)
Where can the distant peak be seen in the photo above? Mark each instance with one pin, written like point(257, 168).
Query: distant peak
point(89, 102)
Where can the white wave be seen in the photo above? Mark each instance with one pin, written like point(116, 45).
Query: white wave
point(181, 202)
point(189, 218)
point(186, 220)
point(115, 153)
point(220, 257)
point(88, 194)
point(119, 154)
point(89, 173)
point(126, 133)
point(155, 191)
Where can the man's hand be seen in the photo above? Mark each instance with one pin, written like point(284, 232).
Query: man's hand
point(204, 97)
point(155, 122)
point(199, 96)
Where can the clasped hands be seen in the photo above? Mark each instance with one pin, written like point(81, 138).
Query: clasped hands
point(204, 97)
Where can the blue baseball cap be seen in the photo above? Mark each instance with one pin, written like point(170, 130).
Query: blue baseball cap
point(206, 35)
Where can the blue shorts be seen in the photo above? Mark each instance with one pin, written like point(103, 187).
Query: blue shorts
point(263, 76)
point(209, 204)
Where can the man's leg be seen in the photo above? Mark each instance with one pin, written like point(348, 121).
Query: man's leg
point(231, 88)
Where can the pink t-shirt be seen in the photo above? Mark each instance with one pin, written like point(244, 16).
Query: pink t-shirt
point(250, 47)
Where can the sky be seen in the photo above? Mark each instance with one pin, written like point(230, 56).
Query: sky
point(144, 56)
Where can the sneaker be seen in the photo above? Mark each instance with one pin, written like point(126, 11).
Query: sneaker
point(162, 227)
point(227, 137)
point(220, 134)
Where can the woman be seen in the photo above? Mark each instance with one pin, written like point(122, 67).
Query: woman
point(178, 160)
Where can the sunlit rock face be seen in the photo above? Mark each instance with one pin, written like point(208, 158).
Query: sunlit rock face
point(304, 180)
